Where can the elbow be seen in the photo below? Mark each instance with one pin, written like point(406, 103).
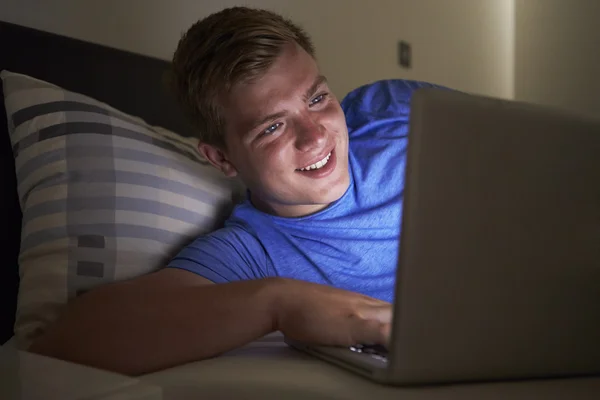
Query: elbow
point(59, 348)
point(45, 346)
point(49, 345)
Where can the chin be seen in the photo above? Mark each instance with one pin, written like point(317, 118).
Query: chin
point(336, 192)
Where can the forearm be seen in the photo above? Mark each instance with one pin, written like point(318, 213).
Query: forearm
point(133, 329)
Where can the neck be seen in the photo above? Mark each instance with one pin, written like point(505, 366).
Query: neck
point(286, 210)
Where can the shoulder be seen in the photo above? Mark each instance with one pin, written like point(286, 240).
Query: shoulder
point(384, 99)
point(227, 254)
point(227, 241)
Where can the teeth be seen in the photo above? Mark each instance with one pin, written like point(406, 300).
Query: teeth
point(318, 164)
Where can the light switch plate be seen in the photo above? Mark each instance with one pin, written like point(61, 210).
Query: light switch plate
point(404, 54)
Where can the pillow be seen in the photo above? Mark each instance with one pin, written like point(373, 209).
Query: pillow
point(105, 196)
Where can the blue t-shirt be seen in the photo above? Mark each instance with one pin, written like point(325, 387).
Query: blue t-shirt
point(353, 243)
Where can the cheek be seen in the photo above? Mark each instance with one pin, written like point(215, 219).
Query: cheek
point(274, 159)
point(334, 119)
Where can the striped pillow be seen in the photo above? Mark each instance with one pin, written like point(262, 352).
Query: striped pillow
point(104, 196)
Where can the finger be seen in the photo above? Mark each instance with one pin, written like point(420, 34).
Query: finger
point(371, 332)
point(387, 333)
point(381, 313)
point(376, 302)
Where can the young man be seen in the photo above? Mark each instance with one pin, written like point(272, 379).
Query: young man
point(311, 252)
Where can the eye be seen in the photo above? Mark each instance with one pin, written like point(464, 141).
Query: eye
point(318, 99)
point(271, 129)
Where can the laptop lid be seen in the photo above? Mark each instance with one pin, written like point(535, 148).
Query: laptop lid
point(499, 267)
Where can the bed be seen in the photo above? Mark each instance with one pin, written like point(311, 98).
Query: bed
point(135, 87)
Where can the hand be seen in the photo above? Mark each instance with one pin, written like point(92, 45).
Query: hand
point(324, 315)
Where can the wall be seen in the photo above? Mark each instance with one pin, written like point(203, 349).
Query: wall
point(465, 44)
point(557, 53)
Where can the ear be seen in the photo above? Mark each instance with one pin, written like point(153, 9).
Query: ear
point(218, 158)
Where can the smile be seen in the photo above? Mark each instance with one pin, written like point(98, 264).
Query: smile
point(318, 164)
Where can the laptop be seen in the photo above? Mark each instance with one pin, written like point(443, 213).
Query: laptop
point(498, 273)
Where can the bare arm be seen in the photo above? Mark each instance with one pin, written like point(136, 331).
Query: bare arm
point(166, 318)
point(173, 316)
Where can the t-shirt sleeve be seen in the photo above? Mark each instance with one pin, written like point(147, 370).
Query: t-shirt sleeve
point(225, 255)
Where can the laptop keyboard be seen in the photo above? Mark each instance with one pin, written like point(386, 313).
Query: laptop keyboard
point(376, 351)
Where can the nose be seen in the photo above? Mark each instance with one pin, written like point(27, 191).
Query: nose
point(310, 134)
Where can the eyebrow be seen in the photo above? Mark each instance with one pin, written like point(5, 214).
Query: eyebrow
point(268, 118)
point(320, 80)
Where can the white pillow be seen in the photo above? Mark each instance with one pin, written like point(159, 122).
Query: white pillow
point(104, 196)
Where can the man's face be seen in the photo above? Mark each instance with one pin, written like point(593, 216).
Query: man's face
point(287, 138)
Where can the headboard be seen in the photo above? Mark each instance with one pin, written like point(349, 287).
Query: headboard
point(130, 82)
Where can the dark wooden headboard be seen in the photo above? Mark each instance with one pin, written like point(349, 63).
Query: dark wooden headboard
point(130, 82)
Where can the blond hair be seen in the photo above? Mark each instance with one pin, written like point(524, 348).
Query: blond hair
point(232, 46)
